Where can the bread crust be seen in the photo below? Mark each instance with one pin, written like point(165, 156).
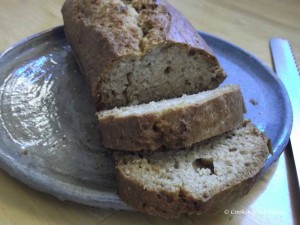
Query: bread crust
point(95, 30)
point(162, 202)
point(176, 127)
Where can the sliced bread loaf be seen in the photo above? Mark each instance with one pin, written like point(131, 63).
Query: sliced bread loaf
point(137, 51)
point(202, 179)
point(172, 123)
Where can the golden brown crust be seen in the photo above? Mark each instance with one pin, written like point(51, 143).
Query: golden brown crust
point(177, 127)
point(102, 33)
point(153, 22)
point(182, 31)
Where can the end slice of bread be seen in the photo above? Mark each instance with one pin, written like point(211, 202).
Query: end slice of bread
point(173, 123)
point(202, 179)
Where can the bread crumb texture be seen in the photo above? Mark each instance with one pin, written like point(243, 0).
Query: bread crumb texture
point(173, 123)
point(204, 178)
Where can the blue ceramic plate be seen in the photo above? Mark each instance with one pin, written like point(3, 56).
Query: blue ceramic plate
point(47, 123)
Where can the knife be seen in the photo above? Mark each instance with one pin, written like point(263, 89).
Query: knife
point(287, 70)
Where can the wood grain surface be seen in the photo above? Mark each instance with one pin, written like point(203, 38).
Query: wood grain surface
point(248, 24)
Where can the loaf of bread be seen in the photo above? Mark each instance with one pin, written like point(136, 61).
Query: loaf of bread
point(203, 179)
point(134, 52)
point(137, 51)
point(173, 123)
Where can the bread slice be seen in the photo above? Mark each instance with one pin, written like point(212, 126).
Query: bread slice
point(137, 51)
point(172, 123)
point(202, 179)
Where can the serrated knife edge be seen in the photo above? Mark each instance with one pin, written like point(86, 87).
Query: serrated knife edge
point(287, 70)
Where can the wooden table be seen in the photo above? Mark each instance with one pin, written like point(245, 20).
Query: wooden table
point(248, 24)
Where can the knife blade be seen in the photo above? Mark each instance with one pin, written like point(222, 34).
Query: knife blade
point(287, 70)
